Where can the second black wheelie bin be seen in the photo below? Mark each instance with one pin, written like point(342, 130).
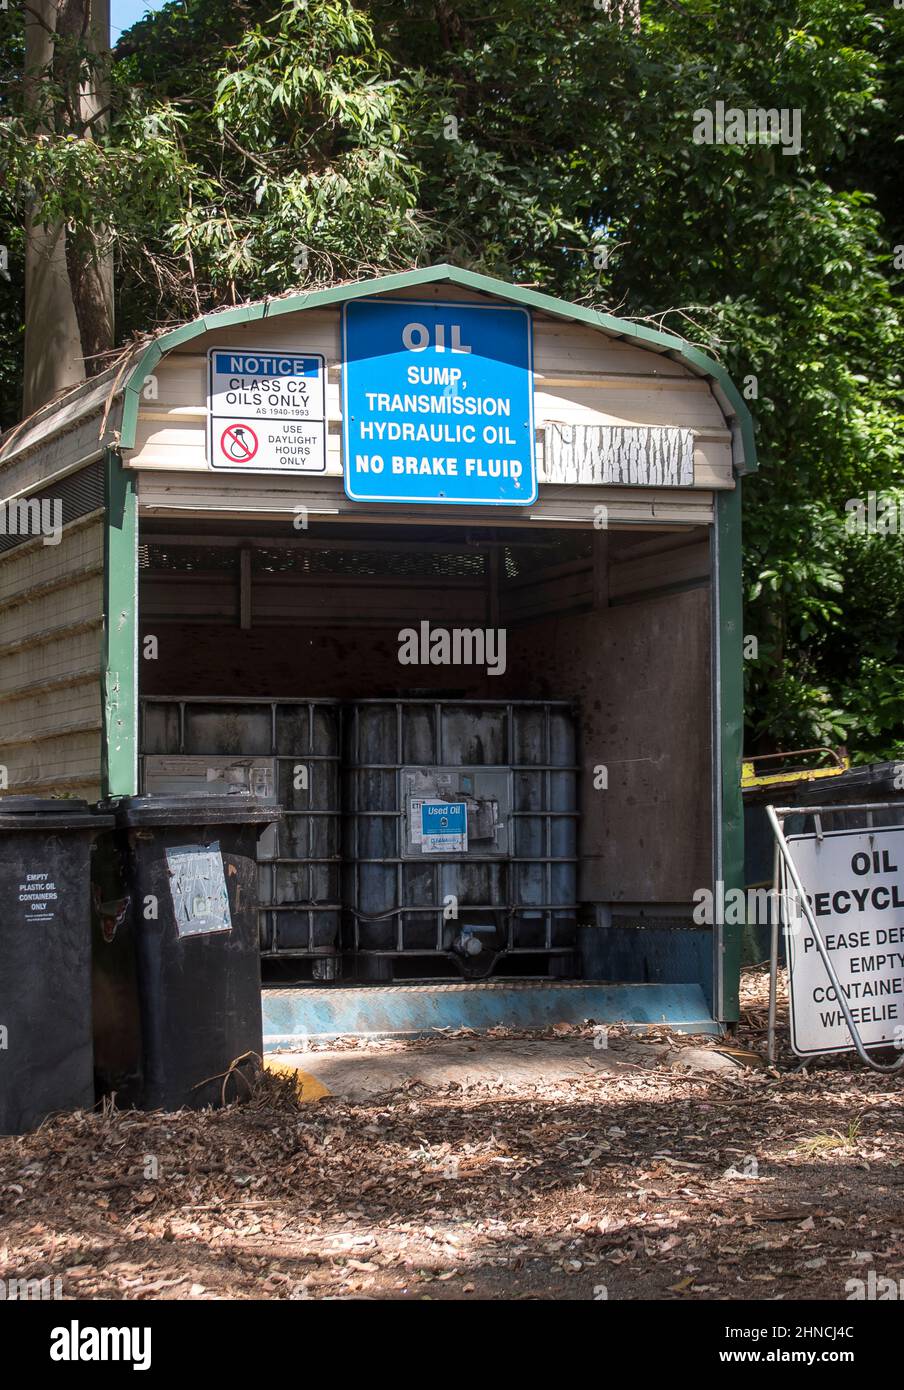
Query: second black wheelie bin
point(176, 952)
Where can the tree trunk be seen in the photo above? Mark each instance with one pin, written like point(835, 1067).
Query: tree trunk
point(68, 279)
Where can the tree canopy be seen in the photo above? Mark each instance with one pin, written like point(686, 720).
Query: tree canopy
point(256, 146)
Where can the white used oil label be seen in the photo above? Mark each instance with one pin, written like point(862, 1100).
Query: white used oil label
point(198, 889)
point(444, 827)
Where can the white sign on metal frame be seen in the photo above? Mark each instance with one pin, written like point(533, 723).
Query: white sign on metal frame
point(266, 410)
point(854, 881)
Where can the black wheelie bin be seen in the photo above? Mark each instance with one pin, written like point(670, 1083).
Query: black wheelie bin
point(176, 970)
point(45, 958)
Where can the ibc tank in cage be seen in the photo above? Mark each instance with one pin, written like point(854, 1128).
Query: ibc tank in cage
point(460, 832)
point(286, 751)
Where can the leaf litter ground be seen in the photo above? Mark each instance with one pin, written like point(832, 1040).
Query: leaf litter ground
point(652, 1181)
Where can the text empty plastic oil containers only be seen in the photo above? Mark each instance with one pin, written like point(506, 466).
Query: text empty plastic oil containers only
point(460, 834)
point(288, 753)
point(176, 951)
point(45, 958)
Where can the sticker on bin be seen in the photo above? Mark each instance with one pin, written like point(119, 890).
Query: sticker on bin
point(198, 889)
point(444, 827)
point(39, 898)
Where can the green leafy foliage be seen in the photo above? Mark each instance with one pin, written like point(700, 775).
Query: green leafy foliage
point(576, 135)
point(266, 144)
point(275, 160)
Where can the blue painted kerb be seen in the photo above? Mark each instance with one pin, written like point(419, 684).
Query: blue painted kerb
point(293, 1015)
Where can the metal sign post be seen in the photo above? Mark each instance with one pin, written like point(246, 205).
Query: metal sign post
point(785, 870)
point(778, 886)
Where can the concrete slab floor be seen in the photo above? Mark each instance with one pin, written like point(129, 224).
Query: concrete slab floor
point(356, 1074)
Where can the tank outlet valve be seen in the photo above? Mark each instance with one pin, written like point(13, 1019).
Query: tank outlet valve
point(468, 942)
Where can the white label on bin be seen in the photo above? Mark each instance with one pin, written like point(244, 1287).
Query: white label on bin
point(198, 889)
point(38, 897)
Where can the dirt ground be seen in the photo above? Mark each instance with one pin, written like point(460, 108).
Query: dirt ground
point(641, 1180)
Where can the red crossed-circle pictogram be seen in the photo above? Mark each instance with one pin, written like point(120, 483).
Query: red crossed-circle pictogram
point(238, 443)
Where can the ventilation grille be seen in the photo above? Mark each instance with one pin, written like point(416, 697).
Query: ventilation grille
point(188, 559)
point(530, 560)
point(302, 561)
point(44, 511)
point(364, 563)
point(402, 564)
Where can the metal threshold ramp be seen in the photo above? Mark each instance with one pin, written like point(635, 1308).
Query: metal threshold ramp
point(307, 1013)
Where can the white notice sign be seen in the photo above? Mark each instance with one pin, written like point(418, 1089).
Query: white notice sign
point(198, 889)
point(266, 411)
point(854, 881)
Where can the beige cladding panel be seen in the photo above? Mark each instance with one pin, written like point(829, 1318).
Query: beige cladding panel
point(581, 377)
point(37, 568)
point(34, 717)
point(60, 437)
point(61, 455)
point(691, 404)
point(69, 762)
point(64, 660)
point(47, 612)
point(51, 629)
point(165, 493)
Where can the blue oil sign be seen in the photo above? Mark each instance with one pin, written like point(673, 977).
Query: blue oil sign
point(438, 403)
point(444, 827)
point(443, 818)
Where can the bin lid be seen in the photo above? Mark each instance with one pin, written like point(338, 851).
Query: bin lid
point(192, 808)
point(24, 805)
point(49, 813)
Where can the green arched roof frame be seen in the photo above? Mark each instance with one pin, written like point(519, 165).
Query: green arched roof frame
point(727, 394)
